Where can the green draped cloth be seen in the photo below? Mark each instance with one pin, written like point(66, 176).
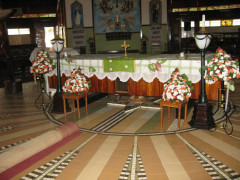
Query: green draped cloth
point(124, 64)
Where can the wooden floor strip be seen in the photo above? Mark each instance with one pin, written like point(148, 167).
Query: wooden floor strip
point(95, 166)
point(228, 149)
point(172, 165)
point(27, 131)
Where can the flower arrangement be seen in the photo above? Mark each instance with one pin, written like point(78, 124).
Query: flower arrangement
point(178, 88)
point(156, 66)
point(91, 40)
point(42, 64)
point(76, 83)
point(221, 67)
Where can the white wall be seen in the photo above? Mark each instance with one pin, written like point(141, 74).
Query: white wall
point(145, 12)
point(88, 15)
point(164, 11)
point(87, 12)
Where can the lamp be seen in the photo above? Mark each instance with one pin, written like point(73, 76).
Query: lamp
point(57, 98)
point(202, 115)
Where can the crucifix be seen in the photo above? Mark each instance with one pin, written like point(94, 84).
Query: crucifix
point(125, 46)
point(117, 25)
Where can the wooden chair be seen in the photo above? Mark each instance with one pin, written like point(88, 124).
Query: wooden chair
point(179, 106)
point(74, 97)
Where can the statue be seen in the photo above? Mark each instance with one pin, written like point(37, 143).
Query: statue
point(144, 44)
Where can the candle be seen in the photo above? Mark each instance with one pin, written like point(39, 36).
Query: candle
point(181, 54)
point(57, 33)
point(203, 20)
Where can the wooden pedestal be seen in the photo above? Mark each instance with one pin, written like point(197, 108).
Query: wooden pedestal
point(202, 117)
point(179, 106)
point(74, 97)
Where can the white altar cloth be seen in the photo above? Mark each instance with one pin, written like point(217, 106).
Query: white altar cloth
point(190, 65)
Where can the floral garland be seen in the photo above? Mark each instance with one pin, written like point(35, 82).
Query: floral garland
point(156, 66)
point(42, 64)
point(178, 87)
point(221, 67)
point(76, 83)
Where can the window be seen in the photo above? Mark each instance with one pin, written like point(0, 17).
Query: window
point(207, 23)
point(19, 31)
point(49, 35)
point(19, 36)
point(208, 8)
point(215, 23)
point(192, 24)
point(36, 15)
point(236, 22)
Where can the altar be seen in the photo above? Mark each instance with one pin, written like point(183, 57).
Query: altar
point(106, 71)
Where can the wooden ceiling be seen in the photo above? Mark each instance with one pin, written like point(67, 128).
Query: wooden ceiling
point(31, 6)
point(197, 15)
point(50, 6)
point(200, 3)
point(44, 6)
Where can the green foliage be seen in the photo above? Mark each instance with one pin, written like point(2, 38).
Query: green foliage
point(162, 61)
point(189, 83)
point(92, 69)
point(152, 67)
point(208, 60)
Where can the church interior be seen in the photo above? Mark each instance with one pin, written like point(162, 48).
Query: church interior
point(119, 89)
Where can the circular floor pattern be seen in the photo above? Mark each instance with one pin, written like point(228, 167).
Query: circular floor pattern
point(107, 125)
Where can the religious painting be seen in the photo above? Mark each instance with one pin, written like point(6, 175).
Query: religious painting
point(116, 16)
point(155, 12)
point(77, 14)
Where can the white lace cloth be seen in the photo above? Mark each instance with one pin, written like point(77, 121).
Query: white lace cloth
point(52, 54)
point(190, 66)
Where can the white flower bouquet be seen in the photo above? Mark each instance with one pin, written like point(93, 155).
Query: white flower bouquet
point(76, 83)
point(42, 64)
point(178, 88)
point(221, 67)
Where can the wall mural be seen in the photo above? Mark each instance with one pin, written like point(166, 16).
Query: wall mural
point(116, 16)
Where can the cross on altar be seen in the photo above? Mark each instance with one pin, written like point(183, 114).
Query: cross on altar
point(125, 46)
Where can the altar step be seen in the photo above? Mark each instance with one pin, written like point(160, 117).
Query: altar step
point(92, 97)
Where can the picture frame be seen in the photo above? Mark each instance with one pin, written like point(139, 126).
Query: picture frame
point(77, 14)
point(155, 12)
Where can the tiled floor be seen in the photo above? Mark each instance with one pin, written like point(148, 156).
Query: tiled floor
point(121, 145)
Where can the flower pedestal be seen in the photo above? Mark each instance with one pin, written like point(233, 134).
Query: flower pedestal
point(173, 104)
point(223, 103)
point(43, 92)
point(74, 97)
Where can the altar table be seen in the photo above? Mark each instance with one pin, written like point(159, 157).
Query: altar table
point(93, 67)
